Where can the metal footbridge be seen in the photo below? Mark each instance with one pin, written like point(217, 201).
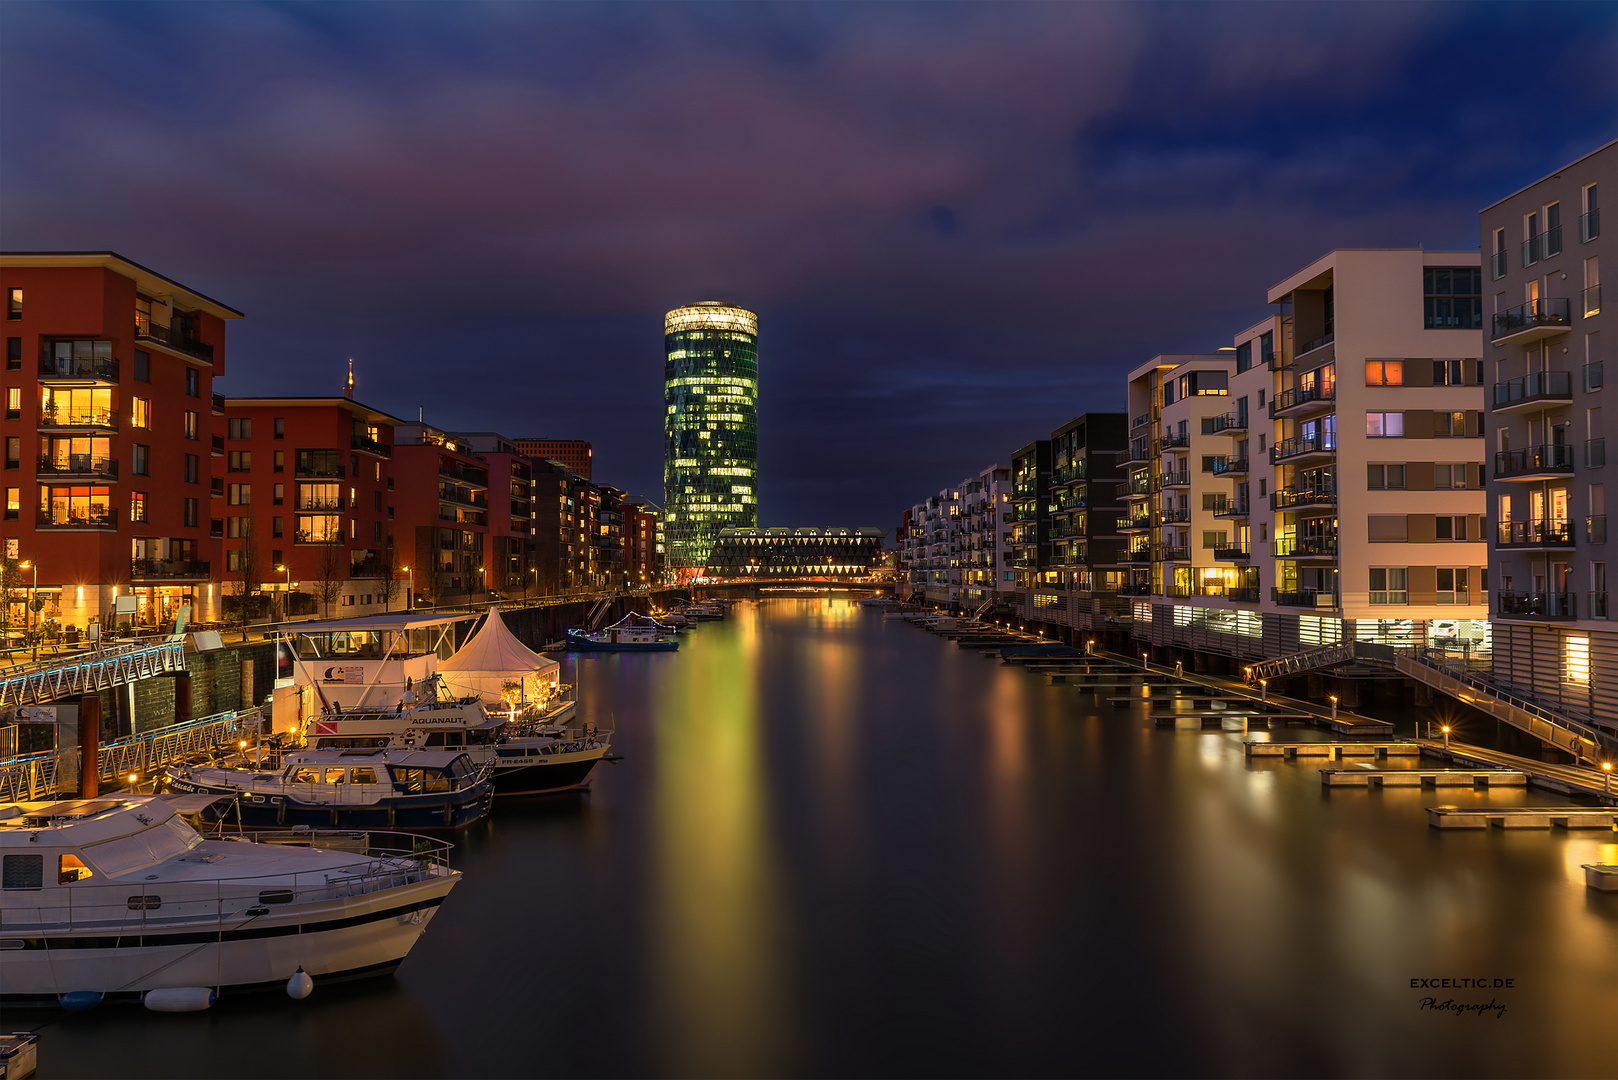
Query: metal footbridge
point(86, 673)
point(44, 775)
point(1453, 679)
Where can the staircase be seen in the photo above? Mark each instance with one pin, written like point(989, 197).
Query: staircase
point(598, 614)
point(1324, 656)
point(983, 609)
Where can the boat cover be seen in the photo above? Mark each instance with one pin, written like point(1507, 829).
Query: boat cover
point(492, 658)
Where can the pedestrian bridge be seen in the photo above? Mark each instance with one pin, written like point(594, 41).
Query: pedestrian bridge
point(88, 672)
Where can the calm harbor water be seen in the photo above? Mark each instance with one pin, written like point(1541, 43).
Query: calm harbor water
point(842, 846)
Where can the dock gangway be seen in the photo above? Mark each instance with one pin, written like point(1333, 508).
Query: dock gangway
point(88, 672)
point(42, 776)
point(1307, 660)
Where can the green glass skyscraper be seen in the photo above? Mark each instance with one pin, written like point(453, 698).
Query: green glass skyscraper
point(710, 428)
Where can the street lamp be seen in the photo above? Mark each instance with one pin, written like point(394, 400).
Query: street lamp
point(1606, 770)
point(410, 590)
point(1263, 691)
point(1446, 736)
point(32, 589)
point(1334, 708)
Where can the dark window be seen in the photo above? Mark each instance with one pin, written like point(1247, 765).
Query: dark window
point(143, 366)
point(13, 452)
point(280, 427)
point(1453, 297)
point(190, 513)
point(191, 468)
point(190, 382)
point(13, 353)
point(240, 428)
point(1244, 356)
point(23, 871)
point(142, 465)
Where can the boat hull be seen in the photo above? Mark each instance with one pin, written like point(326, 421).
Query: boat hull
point(560, 773)
point(437, 812)
point(586, 645)
point(355, 937)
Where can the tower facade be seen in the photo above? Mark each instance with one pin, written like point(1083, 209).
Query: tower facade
point(710, 428)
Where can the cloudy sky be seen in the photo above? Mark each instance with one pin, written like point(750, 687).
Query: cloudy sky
point(958, 223)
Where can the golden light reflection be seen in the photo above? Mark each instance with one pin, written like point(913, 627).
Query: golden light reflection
point(720, 958)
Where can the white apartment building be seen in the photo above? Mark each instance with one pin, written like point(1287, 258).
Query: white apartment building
point(1548, 411)
point(986, 536)
point(1356, 512)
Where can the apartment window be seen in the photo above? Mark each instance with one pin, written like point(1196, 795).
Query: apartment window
point(1449, 425)
point(275, 528)
point(1576, 658)
point(140, 412)
point(1214, 540)
point(1384, 373)
point(275, 557)
point(1212, 501)
point(1449, 477)
point(1384, 425)
point(1453, 297)
point(1590, 223)
point(1385, 477)
point(14, 306)
point(1390, 585)
point(237, 527)
point(239, 494)
point(1244, 356)
point(235, 560)
point(240, 428)
point(190, 513)
point(13, 506)
point(13, 452)
point(13, 354)
point(190, 424)
point(13, 402)
point(191, 461)
point(1553, 231)
point(141, 465)
point(137, 506)
point(280, 461)
point(1592, 286)
point(1447, 373)
point(1450, 527)
point(1452, 585)
point(376, 531)
point(278, 494)
point(1497, 261)
point(239, 461)
point(190, 382)
point(280, 427)
point(143, 366)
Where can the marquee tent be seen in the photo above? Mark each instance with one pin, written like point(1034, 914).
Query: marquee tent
point(494, 657)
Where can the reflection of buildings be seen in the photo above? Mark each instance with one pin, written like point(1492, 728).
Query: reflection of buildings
point(795, 553)
point(109, 410)
point(1547, 416)
point(576, 454)
point(710, 448)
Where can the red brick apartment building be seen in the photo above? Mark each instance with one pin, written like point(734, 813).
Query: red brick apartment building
point(574, 453)
point(108, 409)
point(643, 542)
point(443, 497)
point(510, 566)
point(305, 501)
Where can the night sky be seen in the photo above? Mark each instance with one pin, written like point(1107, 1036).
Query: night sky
point(959, 224)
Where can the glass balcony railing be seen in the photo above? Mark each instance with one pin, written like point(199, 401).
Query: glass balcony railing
point(89, 466)
point(1304, 597)
point(1229, 422)
point(1293, 498)
point(169, 568)
point(1592, 301)
point(1589, 226)
point(60, 416)
point(1300, 445)
point(1233, 508)
point(1227, 466)
point(1531, 389)
point(146, 330)
point(104, 368)
point(1595, 529)
point(1497, 266)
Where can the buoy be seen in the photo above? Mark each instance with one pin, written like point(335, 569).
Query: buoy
point(300, 985)
point(179, 998)
point(81, 1000)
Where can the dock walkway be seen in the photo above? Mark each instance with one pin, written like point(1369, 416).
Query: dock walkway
point(1522, 817)
point(1334, 751)
point(1567, 779)
point(1468, 778)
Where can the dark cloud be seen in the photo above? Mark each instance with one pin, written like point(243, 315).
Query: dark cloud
point(959, 223)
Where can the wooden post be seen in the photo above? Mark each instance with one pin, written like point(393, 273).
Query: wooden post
point(247, 701)
point(89, 746)
point(182, 697)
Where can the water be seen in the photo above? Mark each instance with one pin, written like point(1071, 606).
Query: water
point(842, 846)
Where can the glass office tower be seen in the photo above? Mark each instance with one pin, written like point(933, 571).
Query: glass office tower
point(710, 428)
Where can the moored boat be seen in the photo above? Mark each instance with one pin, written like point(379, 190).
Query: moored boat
point(117, 897)
point(633, 633)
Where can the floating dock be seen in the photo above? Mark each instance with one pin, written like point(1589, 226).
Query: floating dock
point(1332, 750)
point(1522, 817)
point(1469, 778)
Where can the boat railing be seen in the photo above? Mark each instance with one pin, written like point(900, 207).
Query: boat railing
point(233, 902)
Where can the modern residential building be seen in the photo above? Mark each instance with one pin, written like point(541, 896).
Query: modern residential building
point(643, 542)
point(822, 554)
point(511, 565)
point(710, 448)
point(576, 454)
point(1548, 410)
point(985, 556)
point(108, 405)
point(939, 541)
point(1084, 507)
point(1031, 516)
point(442, 496)
point(303, 504)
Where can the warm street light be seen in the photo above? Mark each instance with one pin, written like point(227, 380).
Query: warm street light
point(1606, 769)
point(33, 634)
point(1334, 708)
point(1446, 736)
point(1263, 691)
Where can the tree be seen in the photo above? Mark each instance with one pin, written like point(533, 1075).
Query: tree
point(390, 578)
point(10, 578)
point(329, 575)
point(248, 572)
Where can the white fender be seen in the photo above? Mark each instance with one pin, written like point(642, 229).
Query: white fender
point(300, 985)
point(179, 999)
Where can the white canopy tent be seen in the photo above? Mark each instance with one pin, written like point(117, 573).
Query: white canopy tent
point(494, 657)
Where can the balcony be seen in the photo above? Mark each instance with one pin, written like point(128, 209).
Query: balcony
point(170, 340)
point(1173, 480)
point(1305, 547)
point(169, 569)
point(320, 506)
point(1305, 402)
point(78, 419)
point(1595, 529)
point(311, 470)
point(1534, 463)
point(1135, 555)
point(219, 404)
point(1227, 424)
point(372, 447)
point(1232, 554)
point(1233, 508)
point(1175, 554)
point(1539, 390)
point(1300, 447)
point(78, 369)
point(1310, 346)
point(1174, 441)
point(1135, 588)
point(1542, 246)
point(1174, 516)
point(1532, 321)
point(1516, 605)
point(78, 467)
point(1310, 598)
point(1137, 524)
point(1497, 266)
point(94, 517)
point(1140, 451)
point(1589, 226)
point(1544, 535)
point(1225, 466)
point(469, 477)
point(217, 444)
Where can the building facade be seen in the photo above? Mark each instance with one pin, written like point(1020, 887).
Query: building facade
point(710, 427)
point(1548, 407)
point(820, 554)
point(442, 492)
point(109, 406)
point(576, 454)
point(643, 542)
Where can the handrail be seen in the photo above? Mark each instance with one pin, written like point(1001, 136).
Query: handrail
point(1598, 739)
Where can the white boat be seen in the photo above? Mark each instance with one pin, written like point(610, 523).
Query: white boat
point(119, 898)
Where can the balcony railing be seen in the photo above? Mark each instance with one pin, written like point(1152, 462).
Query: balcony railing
point(371, 446)
point(1174, 440)
point(1534, 461)
point(1298, 446)
point(87, 466)
point(320, 506)
point(1227, 466)
point(1135, 588)
point(1296, 398)
point(1173, 479)
point(1589, 226)
point(1175, 554)
point(1595, 529)
point(1136, 524)
point(1535, 319)
point(1233, 554)
point(78, 367)
point(1304, 597)
point(78, 418)
point(1549, 387)
point(1140, 421)
point(103, 517)
point(1518, 605)
point(1594, 376)
point(1595, 453)
point(1174, 515)
point(169, 568)
point(1318, 343)
point(1542, 245)
point(163, 335)
point(1497, 266)
point(1293, 498)
point(1233, 508)
point(1135, 555)
point(319, 471)
point(1228, 422)
point(219, 404)
point(1592, 300)
point(1305, 547)
point(1535, 534)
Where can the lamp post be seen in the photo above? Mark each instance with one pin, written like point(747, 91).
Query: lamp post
point(1606, 772)
point(33, 636)
point(286, 597)
point(410, 589)
point(1264, 691)
point(1446, 736)
point(1334, 708)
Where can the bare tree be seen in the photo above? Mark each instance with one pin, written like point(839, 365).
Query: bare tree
point(329, 575)
point(390, 578)
point(248, 572)
point(10, 578)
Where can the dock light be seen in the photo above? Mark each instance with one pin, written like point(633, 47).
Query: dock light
point(242, 745)
point(132, 778)
point(1446, 736)
point(1263, 691)
point(1334, 708)
point(1606, 769)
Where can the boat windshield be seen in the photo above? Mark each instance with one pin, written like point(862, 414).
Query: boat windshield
point(145, 848)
